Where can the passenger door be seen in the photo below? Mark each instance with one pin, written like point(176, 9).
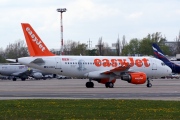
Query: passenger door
point(58, 63)
point(154, 67)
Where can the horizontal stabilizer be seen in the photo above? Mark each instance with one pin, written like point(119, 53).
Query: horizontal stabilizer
point(11, 60)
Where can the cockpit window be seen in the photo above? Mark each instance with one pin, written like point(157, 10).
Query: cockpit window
point(163, 64)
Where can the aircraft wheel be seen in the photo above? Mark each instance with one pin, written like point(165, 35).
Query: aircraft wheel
point(149, 85)
point(92, 85)
point(109, 85)
point(14, 79)
point(23, 79)
point(89, 84)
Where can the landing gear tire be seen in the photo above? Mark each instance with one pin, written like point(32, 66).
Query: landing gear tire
point(109, 85)
point(23, 79)
point(14, 79)
point(149, 85)
point(90, 85)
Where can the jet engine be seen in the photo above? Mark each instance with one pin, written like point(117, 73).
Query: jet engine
point(37, 75)
point(135, 78)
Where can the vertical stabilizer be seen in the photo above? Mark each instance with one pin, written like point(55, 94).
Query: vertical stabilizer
point(35, 45)
point(158, 53)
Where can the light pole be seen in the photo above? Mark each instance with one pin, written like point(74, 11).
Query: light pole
point(89, 43)
point(61, 10)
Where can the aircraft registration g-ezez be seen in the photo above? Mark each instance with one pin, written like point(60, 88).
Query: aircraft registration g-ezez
point(103, 69)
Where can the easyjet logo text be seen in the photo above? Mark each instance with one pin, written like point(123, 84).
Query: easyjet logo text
point(65, 59)
point(35, 39)
point(121, 62)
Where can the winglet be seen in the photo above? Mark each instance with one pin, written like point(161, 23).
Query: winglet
point(35, 45)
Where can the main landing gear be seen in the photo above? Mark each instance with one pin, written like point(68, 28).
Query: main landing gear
point(109, 85)
point(23, 79)
point(90, 84)
point(14, 79)
point(149, 83)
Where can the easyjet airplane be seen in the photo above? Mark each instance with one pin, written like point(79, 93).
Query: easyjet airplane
point(103, 69)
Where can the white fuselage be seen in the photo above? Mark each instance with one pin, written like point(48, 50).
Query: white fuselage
point(79, 66)
point(12, 70)
point(16, 70)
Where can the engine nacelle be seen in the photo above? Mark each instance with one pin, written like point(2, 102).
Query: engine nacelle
point(104, 80)
point(37, 75)
point(135, 78)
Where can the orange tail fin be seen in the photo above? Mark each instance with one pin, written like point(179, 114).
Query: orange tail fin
point(35, 45)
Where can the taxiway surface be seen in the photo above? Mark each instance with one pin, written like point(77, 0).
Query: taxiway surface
point(162, 89)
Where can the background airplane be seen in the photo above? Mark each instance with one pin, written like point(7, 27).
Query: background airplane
point(103, 69)
point(174, 65)
point(21, 71)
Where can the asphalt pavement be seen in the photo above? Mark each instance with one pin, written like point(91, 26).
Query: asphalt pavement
point(162, 89)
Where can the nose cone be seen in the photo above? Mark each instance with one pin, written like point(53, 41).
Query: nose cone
point(169, 70)
point(166, 71)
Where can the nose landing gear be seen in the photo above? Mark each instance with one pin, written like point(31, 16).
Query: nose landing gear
point(149, 83)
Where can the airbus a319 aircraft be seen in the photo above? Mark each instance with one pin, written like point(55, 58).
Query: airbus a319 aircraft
point(15, 70)
point(21, 71)
point(103, 69)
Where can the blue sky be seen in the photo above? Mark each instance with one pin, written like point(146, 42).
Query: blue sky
point(89, 19)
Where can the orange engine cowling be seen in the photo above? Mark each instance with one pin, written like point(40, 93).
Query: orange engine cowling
point(135, 78)
point(104, 80)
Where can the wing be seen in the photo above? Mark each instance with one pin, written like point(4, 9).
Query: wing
point(108, 73)
point(117, 69)
point(25, 73)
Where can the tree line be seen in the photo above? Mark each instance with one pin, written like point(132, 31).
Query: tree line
point(122, 47)
point(13, 51)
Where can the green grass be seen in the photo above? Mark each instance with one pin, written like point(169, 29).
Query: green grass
point(43, 109)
